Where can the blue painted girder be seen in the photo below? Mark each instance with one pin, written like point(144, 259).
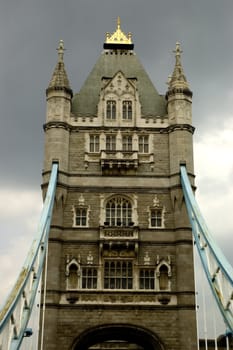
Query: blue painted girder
point(218, 271)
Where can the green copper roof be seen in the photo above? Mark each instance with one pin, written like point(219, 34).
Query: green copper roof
point(109, 63)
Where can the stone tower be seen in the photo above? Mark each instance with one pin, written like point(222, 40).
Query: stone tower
point(120, 260)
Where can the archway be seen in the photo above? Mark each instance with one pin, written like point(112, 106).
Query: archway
point(127, 334)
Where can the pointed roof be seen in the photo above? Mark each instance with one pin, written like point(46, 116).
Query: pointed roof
point(178, 79)
point(59, 80)
point(118, 57)
point(108, 64)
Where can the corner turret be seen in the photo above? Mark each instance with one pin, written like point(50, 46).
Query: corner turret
point(59, 95)
point(59, 92)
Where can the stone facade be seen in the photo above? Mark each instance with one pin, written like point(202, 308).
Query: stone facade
point(120, 262)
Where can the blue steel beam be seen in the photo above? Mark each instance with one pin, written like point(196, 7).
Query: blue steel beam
point(32, 269)
point(218, 271)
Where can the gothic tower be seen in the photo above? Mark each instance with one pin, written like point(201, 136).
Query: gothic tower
point(120, 258)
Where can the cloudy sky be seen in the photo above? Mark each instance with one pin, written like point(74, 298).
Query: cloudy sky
point(29, 34)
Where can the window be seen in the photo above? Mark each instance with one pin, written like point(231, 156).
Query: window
point(111, 110)
point(127, 143)
point(89, 278)
point(156, 218)
point(143, 144)
point(118, 274)
point(127, 110)
point(147, 279)
point(81, 217)
point(110, 142)
point(94, 143)
point(119, 212)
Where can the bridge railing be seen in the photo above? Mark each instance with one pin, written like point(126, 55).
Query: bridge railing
point(15, 314)
point(218, 271)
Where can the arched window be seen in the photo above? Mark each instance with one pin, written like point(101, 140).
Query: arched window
point(127, 110)
point(111, 109)
point(81, 217)
point(118, 212)
point(156, 217)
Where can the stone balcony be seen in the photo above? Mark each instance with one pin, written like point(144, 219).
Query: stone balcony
point(119, 159)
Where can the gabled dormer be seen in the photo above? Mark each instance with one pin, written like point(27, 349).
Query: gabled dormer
point(119, 101)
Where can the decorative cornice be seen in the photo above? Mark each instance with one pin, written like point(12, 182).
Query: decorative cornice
point(175, 127)
point(56, 124)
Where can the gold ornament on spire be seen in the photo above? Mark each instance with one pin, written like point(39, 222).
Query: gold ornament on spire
point(118, 37)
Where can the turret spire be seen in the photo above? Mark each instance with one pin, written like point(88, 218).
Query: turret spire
point(59, 80)
point(178, 78)
point(179, 96)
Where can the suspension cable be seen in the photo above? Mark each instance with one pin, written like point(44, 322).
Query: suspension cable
point(204, 312)
point(44, 300)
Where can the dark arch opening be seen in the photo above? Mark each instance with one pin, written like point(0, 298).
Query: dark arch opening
point(118, 332)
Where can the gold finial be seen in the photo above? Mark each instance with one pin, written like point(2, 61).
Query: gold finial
point(118, 37)
point(61, 50)
point(118, 23)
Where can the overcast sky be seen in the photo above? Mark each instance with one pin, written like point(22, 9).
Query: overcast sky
point(29, 34)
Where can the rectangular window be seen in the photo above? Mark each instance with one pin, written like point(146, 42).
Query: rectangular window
point(111, 109)
point(127, 110)
point(147, 279)
point(156, 217)
point(110, 142)
point(89, 278)
point(127, 143)
point(94, 145)
point(143, 144)
point(118, 274)
point(81, 217)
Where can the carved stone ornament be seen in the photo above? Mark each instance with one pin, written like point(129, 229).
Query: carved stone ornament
point(156, 202)
point(146, 259)
point(81, 200)
point(90, 259)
